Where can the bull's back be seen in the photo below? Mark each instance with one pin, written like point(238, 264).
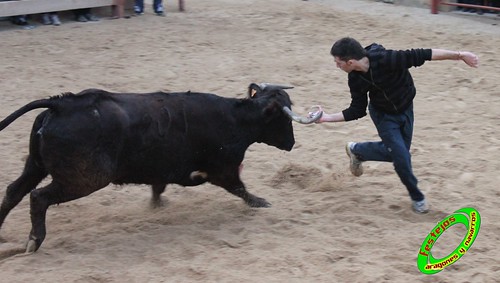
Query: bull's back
point(134, 138)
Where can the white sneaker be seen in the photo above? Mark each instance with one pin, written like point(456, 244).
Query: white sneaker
point(420, 206)
point(355, 165)
point(55, 20)
point(45, 19)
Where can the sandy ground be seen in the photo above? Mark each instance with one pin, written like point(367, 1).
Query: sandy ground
point(325, 225)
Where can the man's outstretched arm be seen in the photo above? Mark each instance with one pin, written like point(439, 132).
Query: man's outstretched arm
point(469, 58)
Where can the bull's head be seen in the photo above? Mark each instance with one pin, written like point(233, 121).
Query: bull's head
point(255, 89)
point(278, 115)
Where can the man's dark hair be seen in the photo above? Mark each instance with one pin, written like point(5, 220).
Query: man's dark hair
point(348, 48)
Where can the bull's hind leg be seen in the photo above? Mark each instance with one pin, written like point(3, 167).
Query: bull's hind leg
point(29, 179)
point(41, 199)
point(156, 200)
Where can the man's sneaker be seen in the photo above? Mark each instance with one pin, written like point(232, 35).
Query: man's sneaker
point(420, 206)
point(356, 165)
point(160, 13)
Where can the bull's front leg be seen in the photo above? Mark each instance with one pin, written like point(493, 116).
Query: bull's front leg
point(250, 199)
point(232, 183)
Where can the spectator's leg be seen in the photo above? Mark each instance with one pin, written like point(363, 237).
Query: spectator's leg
point(46, 19)
point(54, 19)
point(79, 15)
point(19, 20)
point(139, 7)
point(87, 13)
point(479, 11)
point(158, 7)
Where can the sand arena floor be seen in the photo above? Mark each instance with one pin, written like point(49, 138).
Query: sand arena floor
point(325, 225)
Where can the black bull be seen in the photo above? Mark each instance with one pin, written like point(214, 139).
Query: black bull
point(88, 140)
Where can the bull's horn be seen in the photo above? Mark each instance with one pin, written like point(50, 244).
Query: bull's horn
point(268, 85)
point(303, 120)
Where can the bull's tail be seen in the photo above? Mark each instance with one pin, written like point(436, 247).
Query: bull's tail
point(42, 103)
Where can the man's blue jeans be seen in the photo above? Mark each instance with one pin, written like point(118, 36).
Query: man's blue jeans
point(139, 6)
point(396, 132)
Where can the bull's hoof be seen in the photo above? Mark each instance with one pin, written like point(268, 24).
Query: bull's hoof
point(258, 202)
point(31, 246)
point(157, 203)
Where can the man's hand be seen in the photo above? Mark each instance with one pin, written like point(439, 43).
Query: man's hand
point(314, 112)
point(469, 58)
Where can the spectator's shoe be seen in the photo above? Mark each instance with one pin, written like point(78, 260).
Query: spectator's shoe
point(81, 19)
point(139, 13)
point(91, 17)
point(19, 20)
point(420, 207)
point(55, 20)
point(355, 165)
point(159, 10)
point(46, 19)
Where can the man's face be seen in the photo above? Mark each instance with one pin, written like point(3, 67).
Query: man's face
point(345, 66)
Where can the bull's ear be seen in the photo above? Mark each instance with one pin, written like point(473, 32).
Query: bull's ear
point(253, 89)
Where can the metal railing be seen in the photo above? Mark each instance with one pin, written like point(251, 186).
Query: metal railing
point(435, 6)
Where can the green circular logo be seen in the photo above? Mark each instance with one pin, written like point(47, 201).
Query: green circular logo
point(467, 216)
